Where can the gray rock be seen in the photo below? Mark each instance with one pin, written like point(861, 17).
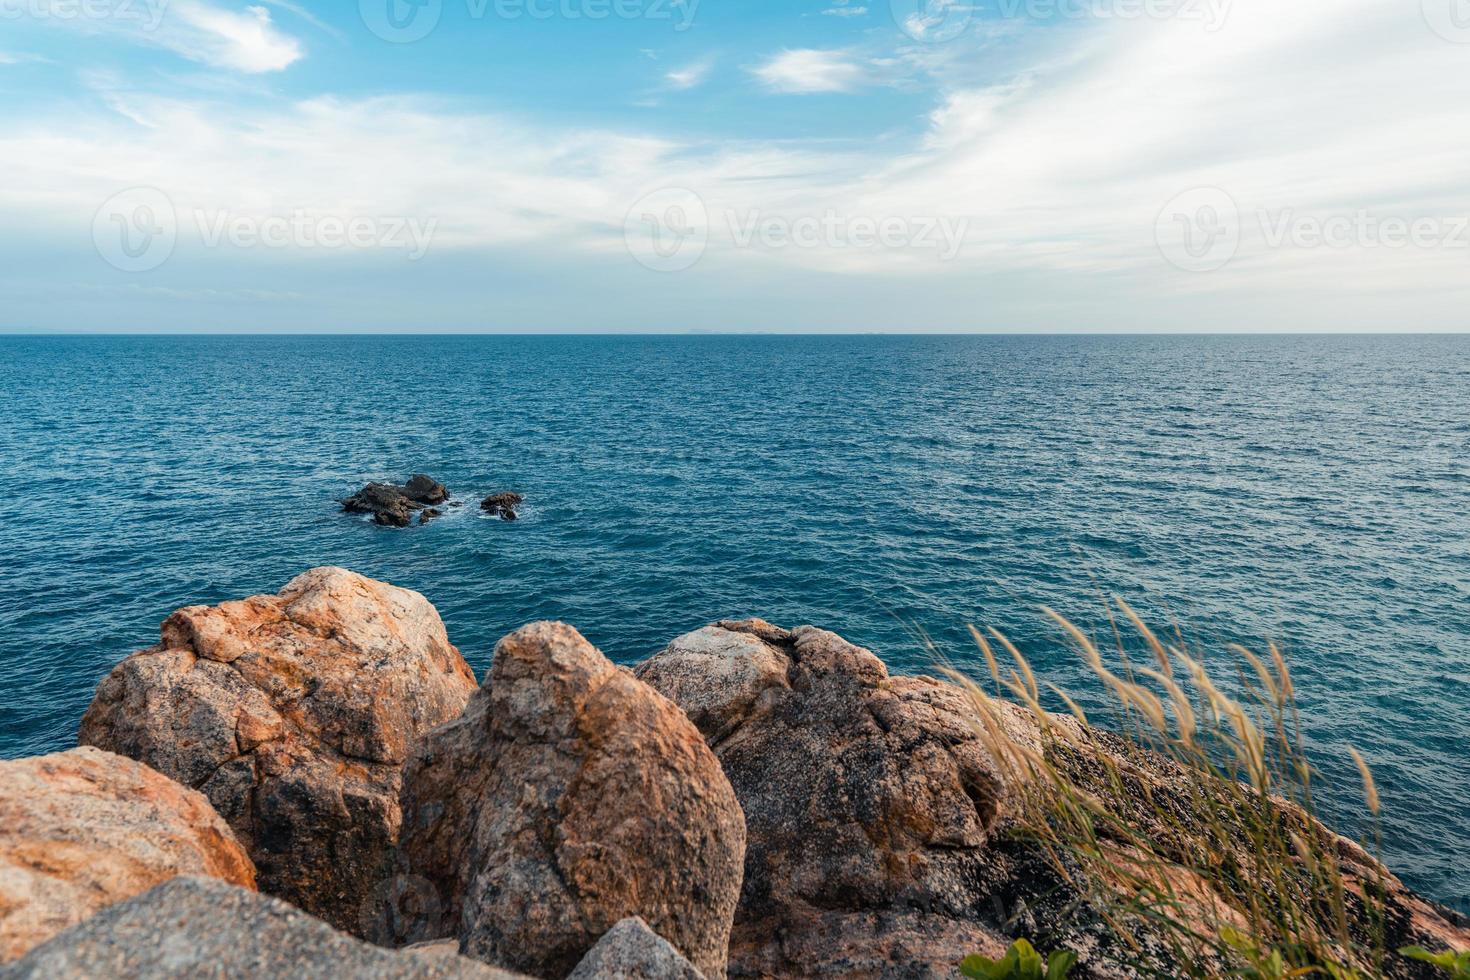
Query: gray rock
point(192, 928)
point(869, 802)
point(632, 951)
point(568, 797)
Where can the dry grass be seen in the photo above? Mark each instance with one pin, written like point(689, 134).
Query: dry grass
point(1191, 823)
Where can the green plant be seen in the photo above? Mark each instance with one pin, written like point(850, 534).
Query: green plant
point(1191, 824)
point(1457, 964)
point(1272, 964)
point(1021, 962)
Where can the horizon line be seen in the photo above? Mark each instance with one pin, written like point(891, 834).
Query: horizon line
point(730, 333)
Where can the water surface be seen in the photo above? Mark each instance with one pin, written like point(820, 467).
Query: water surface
point(1314, 491)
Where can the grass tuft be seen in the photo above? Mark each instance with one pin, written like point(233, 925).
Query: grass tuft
point(1191, 824)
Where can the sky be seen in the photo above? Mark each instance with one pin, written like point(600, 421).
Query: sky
point(923, 166)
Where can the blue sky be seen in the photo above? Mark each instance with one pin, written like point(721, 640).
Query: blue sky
point(653, 165)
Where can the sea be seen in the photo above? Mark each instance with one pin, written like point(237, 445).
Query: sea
point(1311, 491)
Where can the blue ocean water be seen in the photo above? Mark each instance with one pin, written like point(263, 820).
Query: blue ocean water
point(1315, 491)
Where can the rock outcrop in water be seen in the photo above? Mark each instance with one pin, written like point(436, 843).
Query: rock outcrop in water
point(84, 829)
point(569, 797)
point(294, 714)
point(503, 505)
point(395, 506)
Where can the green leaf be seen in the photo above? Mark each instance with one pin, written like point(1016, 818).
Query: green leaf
point(1021, 962)
point(1458, 964)
point(978, 968)
point(1029, 965)
point(1060, 964)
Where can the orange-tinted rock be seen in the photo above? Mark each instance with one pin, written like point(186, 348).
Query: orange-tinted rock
point(569, 797)
point(294, 714)
point(84, 829)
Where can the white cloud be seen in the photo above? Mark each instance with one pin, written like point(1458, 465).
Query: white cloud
point(845, 12)
point(487, 180)
point(807, 71)
point(1061, 168)
point(246, 41)
point(1069, 166)
point(22, 58)
point(243, 40)
point(690, 76)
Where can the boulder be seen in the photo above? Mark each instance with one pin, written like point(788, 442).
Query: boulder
point(294, 714)
point(425, 490)
point(567, 798)
point(395, 506)
point(869, 802)
point(388, 504)
point(632, 951)
point(84, 829)
point(881, 838)
point(197, 927)
point(503, 505)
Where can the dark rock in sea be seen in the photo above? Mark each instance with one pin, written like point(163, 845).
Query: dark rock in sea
point(199, 927)
point(425, 490)
point(568, 797)
point(632, 951)
point(294, 714)
point(394, 506)
point(503, 505)
point(84, 829)
point(430, 514)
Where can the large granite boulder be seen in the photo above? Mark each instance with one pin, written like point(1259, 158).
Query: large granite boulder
point(569, 797)
point(83, 829)
point(294, 714)
point(632, 951)
point(196, 927)
point(869, 802)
